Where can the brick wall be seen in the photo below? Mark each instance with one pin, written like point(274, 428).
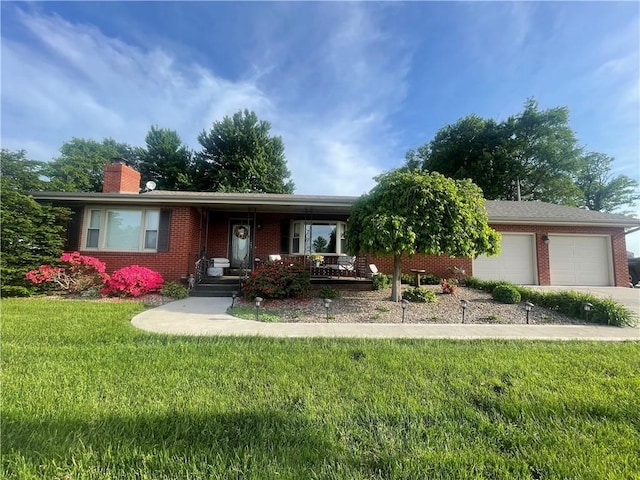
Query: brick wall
point(172, 265)
point(120, 178)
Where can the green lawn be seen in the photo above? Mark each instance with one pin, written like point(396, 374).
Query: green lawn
point(86, 396)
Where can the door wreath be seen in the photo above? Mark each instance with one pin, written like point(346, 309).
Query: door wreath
point(241, 231)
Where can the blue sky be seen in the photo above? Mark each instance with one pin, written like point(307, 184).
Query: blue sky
point(349, 86)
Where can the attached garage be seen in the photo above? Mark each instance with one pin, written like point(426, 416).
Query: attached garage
point(516, 262)
point(580, 260)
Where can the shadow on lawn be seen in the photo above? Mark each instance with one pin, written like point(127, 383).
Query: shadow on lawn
point(167, 444)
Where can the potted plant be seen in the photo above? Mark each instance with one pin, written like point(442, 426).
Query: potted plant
point(316, 258)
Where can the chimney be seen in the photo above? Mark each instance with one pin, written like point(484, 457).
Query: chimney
point(120, 178)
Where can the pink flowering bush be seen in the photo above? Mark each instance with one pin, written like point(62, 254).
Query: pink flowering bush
point(133, 281)
point(76, 273)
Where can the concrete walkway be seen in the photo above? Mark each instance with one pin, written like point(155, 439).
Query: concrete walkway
point(206, 316)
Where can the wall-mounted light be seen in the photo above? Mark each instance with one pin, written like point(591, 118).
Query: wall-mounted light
point(545, 239)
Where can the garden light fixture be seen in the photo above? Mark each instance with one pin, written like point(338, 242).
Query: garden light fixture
point(327, 304)
point(464, 304)
point(587, 308)
point(234, 295)
point(528, 306)
point(258, 302)
point(404, 304)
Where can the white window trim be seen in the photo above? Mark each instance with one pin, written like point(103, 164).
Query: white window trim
point(102, 235)
point(341, 227)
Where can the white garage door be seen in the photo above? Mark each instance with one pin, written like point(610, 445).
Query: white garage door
point(515, 263)
point(579, 260)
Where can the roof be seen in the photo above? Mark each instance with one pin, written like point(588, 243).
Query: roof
point(499, 211)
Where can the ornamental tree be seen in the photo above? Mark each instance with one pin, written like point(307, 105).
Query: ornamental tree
point(411, 212)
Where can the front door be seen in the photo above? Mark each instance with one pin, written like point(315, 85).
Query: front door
point(240, 245)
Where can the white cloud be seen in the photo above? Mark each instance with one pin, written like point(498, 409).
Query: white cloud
point(72, 80)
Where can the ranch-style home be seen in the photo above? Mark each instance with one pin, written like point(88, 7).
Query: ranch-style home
point(218, 234)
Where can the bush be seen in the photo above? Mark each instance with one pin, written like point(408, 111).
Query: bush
point(604, 311)
point(429, 279)
point(133, 281)
point(76, 273)
point(506, 294)
point(328, 292)
point(275, 280)
point(174, 290)
point(381, 281)
point(407, 279)
point(14, 291)
point(419, 295)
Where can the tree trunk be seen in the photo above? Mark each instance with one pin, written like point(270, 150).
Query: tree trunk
point(396, 294)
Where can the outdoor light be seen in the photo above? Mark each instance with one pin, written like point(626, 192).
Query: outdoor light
point(587, 308)
point(545, 239)
point(404, 304)
point(258, 302)
point(528, 307)
point(234, 295)
point(327, 304)
point(463, 304)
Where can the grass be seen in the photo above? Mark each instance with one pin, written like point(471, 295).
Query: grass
point(85, 395)
point(249, 313)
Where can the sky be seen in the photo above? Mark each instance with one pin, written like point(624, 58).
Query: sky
point(349, 86)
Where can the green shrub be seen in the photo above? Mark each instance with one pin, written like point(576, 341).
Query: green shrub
point(174, 290)
point(506, 294)
point(429, 279)
point(569, 303)
point(275, 280)
point(420, 295)
point(381, 281)
point(328, 292)
point(14, 291)
point(408, 279)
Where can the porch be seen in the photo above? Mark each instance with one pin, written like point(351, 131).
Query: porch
point(341, 272)
point(225, 286)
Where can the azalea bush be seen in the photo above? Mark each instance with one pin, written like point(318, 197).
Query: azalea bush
point(75, 273)
point(274, 280)
point(133, 281)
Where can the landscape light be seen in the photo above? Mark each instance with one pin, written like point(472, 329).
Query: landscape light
point(234, 295)
point(258, 302)
point(463, 304)
point(327, 304)
point(587, 308)
point(528, 307)
point(404, 304)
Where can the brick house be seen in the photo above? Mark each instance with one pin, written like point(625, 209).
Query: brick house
point(170, 231)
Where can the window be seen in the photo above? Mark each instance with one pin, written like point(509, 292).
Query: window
point(318, 237)
point(122, 229)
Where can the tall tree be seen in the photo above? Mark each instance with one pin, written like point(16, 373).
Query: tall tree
point(239, 155)
point(535, 149)
point(32, 234)
point(600, 190)
point(80, 166)
point(166, 160)
point(409, 212)
point(19, 172)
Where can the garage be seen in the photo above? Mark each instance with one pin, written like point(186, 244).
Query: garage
point(516, 262)
point(580, 260)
